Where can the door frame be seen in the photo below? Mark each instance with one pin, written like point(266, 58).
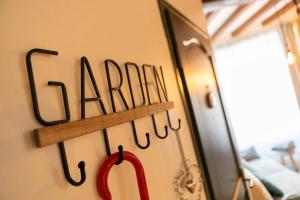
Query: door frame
point(165, 10)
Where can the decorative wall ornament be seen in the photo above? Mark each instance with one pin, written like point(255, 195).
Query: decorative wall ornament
point(210, 98)
point(188, 183)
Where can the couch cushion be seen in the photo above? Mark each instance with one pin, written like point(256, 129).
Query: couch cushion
point(249, 154)
point(288, 181)
point(266, 166)
point(283, 178)
point(274, 191)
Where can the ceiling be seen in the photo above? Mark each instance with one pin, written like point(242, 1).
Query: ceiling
point(238, 19)
point(211, 5)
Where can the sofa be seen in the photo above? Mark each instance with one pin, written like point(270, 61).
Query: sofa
point(272, 174)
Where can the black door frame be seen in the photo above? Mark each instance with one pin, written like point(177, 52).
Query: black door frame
point(165, 10)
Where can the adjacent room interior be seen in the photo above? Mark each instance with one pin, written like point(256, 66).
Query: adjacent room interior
point(256, 49)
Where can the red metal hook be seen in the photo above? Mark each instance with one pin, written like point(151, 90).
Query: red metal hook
point(103, 172)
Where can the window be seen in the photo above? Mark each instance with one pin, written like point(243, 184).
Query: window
point(258, 91)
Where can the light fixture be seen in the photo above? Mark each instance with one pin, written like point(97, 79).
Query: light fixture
point(193, 40)
point(290, 57)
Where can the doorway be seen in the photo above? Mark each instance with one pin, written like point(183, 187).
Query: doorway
point(256, 75)
point(213, 141)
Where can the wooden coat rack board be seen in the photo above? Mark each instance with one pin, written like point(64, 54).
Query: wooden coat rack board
point(58, 133)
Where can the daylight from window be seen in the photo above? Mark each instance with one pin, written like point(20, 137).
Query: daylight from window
point(258, 91)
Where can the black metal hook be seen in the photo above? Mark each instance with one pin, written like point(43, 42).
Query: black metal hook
point(170, 125)
point(149, 100)
point(156, 132)
point(127, 64)
point(136, 137)
point(108, 150)
point(121, 158)
point(166, 95)
point(81, 166)
point(118, 89)
point(40, 119)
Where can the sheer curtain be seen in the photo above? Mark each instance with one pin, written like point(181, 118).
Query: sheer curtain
point(258, 91)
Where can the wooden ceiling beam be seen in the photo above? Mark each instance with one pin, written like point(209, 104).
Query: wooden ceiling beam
point(279, 13)
point(270, 4)
point(235, 15)
point(211, 15)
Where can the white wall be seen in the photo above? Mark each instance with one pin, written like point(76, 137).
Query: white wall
point(122, 30)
